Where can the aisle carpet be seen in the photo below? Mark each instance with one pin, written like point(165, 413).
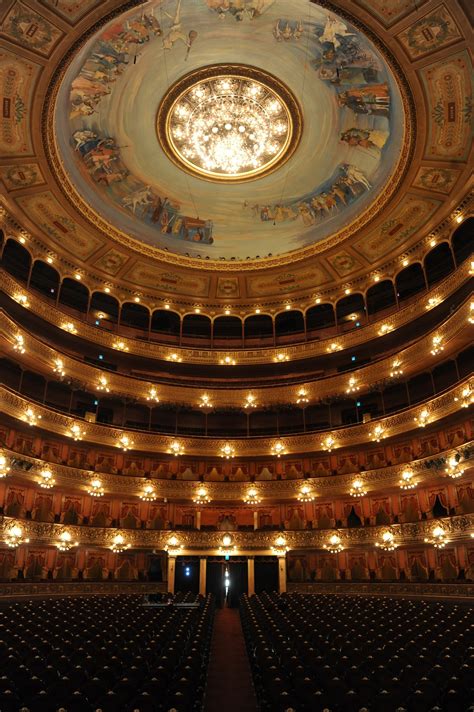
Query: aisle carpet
point(229, 679)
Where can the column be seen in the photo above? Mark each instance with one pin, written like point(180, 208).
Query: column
point(202, 574)
point(198, 520)
point(171, 573)
point(282, 574)
point(251, 575)
point(255, 520)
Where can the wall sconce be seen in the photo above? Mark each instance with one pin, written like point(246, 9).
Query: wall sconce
point(47, 480)
point(438, 537)
point(174, 357)
point(252, 496)
point(201, 496)
point(205, 402)
point(250, 401)
point(76, 432)
point(306, 494)
point(302, 397)
point(466, 398)
point(332, 348)
point(65, 541)
point(125, 443)
point(227, 547)
point(103, 384)
point(227, 361)
point(433, 302)
point(120, 346)
point(278, 448)
point(119, 544)
point(4, 466)
point(378, 433)
point(335, 544)
point(148, 493)
point(281, 357)
point(19, 343)
point(279, 547)
point(437, 345)
point(69, 327)
point(227, 451)
point(423, 418)
point(396, 368)
point(454, 469)
point(58, 367)
point(357, 489)
point(14, 537)
point(173, 547)
point(352, 387)
point(388, 541)
point(153, 395)
point(30, 417)
point(175, 448)
point(385, 329)
point(96, 489)
point(407, 482)
point(328, 443)
point(22, 299)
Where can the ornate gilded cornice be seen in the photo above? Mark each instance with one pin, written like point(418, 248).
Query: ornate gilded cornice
point(77, 588)
point(377, 588)
point(299, 351)
point(456, 528)
point(436, 409)
point(415, 356)
point(382, 479)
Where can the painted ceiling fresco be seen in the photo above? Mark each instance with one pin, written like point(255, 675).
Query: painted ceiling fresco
point(352, 139)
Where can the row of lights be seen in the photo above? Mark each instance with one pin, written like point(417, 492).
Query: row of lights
point(15, 537)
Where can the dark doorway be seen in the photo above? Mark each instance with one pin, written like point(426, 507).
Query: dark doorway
point(266, 573)
point(155, 567)
point(227, 580)
point(187, 574)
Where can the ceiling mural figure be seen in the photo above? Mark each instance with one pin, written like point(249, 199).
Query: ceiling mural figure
point(347, 136)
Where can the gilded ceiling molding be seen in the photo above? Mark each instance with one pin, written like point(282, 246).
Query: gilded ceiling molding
point(410, 359)
point(426, 413)
point(383, 479)
point(457, 529)
point(242, 356)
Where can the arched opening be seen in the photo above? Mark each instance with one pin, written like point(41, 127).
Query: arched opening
point(289, 322)
point(165, 322)
point(259, 326)
point(105, 304)
point(350, 310)
point(45, 279)
point(321, 316)
point(463, 241)
point(439, 263)
point(135, 316)
point(196, 326)
point(227, 328)
point(16, 260)
point(380, 296)
point(73, 294)
point(410, 281)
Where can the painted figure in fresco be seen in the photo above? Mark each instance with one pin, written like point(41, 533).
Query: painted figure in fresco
point(373, 99)
point(284, 31)
point(355, 176)
point(175, 33)
point(365, 138)
point(333, 31)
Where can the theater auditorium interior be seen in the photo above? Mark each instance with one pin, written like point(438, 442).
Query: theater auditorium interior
point(236, 356)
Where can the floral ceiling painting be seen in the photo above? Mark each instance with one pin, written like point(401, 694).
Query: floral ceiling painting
point(353, 126)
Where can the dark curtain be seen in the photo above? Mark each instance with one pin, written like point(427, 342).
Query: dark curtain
point(215, 581)
point(187, 574)
point(266, 573)
point(238, 582)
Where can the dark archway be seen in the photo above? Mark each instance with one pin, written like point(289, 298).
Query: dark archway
point(410, 281)
point(45, 279)
point(73, 294)
point(16, 260)
point(135, 316)
point(439, 263)
point(380, 296)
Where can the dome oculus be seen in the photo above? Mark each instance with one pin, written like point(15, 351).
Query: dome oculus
point(229, 123)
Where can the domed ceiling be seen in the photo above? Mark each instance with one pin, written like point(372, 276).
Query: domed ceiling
point(338, 129)
point(233, 152)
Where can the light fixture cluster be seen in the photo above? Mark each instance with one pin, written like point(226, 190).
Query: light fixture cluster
point(378, 433)
point(466, 397)
point(95, 488)
point(58, 367)
point(334, 545)
point(153, 395)
point(280, 547)
point(396, 368)
point(437, 345)
point(205, 402)
point(14, 537)
point(76, 431)
point(423, 418)
point(174, 357)
point(227, 546)
point(438, 537)
point(302, 396)
point(433, 302)
point(281, 357)
point(252, 496)
point(46, 480)
point(19, 343)
point(148, 493)
point(332, 348)
point(227, 451)
point(357, 489)
point(328, 443)
point(65, 542)
point(173, 546)
point(119, 544)
point(69, 327)
point(201, 496)
point(385, 329)
point(4, 466)
point(103, 384)
point(120, 346)
point(454, 469)
point(250, 401)
point(407, 481)
point(353, 385)
point(278, 448)
point(388, 541)
point(30, 417)
point(227, 361)
point(306, 494)
point(175, 448)
point(125, 442)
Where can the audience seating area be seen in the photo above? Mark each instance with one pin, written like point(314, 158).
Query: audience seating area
point(109, 653)
point(340, 653)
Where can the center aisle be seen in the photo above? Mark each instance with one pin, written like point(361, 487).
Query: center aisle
point(229, 679)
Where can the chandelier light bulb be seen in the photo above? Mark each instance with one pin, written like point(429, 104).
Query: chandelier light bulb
point(334, 545)
point(227, 361)
point(30, 416)
point(65, 542)
point(252, 496)
point(47, 480)
point(227, 451)
point(302, 396)
point(250, 401)
point(357, 489)
point(14, 537)
point(278, 448)
point(201, 496)
point(306, 494)
point(119, 544)
point(19, 344)
point(153, 395)
point(176, 448)
point(4, 466)
point(125, 443)
point(328, 443)
point(407, 481)
point(96, 489)
point(388, 541)
point(396, 368)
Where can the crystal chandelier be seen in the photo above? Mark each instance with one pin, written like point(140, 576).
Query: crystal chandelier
point(176, 448)
point(228, 127)
point(388, 541)
point(279, 448)
point(407, 481)
point(466, 398)
point(227, 451)
point(357, 489)
point(153, 395)
point(19, 344)
point(124, 442)
point(201, 496)
point(280, 548)
point(47, 480)
point(454, 469)
point(250, 401)
point(96, 489)
point(306, 494)
point(65, 541)
point(328, 443)
point(148, 493)
point(76, 432)
point(252, 496)
point(4, 466)
point(227, 547)
point(30, 417)
point(119, 544)
point(438, 538)
point(378, 433)
point(173, 547)
point(58, 367)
